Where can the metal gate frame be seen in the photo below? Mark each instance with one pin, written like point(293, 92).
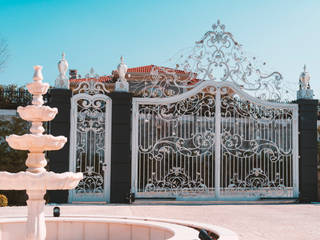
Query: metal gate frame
point(107, 139)
point(219, 86)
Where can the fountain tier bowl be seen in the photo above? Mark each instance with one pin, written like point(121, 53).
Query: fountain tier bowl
point(38, 88)
point(34, 113)
point(36, 143)
point(39, 181)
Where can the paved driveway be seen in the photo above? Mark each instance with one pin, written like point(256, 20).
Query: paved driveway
point(250, 222)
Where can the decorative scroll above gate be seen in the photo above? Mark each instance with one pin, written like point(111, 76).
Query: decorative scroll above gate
point(216, 56)
point(90, 85)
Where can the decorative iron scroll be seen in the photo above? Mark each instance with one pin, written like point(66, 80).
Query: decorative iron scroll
point(258, 184)
point(256, 147)
point(239, 146)
point(199, 144)
point(217, 56)
point(90, 85)
point(176, 143)
point(231, 104)
point(203, 102)
point(90, 143)
point(91, 183)
point(256, 178)
point(176, 181)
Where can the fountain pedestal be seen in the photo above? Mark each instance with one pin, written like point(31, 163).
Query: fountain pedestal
point(36, 180)
point(36, 226)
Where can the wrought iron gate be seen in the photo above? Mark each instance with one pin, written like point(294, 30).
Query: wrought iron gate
point(90, 142)
point(214, 142)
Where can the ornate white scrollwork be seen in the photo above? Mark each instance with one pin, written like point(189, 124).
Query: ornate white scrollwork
point(90, 140)
point(90, 144)
point(176, 181)
point(217, 56)
point(256, 178)
point(91, 85)
point(91, 183)
point(257, 183)
point(199, 144)
point(256, 138)
point(238, 145)
point(176, 143)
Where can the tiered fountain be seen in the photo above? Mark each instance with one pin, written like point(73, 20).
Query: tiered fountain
point(36, 180)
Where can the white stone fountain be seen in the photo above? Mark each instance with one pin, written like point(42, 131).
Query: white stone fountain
point(36, 180)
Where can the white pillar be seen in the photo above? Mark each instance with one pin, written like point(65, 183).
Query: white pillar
point(36, 226)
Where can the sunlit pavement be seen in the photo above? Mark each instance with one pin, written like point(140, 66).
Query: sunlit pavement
point(287, 222)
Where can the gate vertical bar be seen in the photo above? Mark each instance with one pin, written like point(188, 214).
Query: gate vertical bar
point(295, 147)
point(107, 156)
point(217, 142)
point(134, 131)
point(72, 149)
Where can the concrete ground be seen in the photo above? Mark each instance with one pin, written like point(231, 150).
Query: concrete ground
point(250, 222)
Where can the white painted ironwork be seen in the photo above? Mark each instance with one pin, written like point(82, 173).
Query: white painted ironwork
point(214, 142)
point(90, 141)
point(216, 56)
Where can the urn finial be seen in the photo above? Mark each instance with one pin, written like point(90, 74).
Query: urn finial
point(305, 91)
point(122, 85)
point(122, 70)
point(304, 79)
point(62, 80)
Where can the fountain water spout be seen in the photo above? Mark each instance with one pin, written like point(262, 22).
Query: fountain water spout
point(36, 180)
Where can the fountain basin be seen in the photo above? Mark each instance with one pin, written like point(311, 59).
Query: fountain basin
point(39, 181)
point(37, 87)
point(86, 228)
point(34, 113)
point(36, 143)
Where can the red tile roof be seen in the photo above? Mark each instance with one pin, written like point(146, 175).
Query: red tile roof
point(100, 79)
point(148, 69)
point(142, 69)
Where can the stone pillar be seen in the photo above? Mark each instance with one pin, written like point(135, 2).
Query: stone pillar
point(308, 150)
point(60, 126)
point(120, 147)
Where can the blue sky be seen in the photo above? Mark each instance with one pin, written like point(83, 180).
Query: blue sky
point(96, 33)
